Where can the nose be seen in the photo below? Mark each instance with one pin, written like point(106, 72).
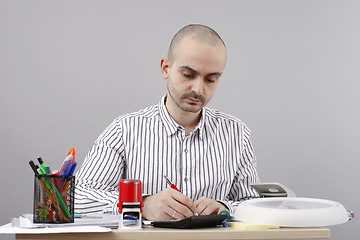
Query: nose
point(197, 86)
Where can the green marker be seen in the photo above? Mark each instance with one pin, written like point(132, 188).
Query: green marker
point(42, 165)
point(62, 203)
point(41, 172)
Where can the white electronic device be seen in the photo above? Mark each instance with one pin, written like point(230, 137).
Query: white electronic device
point(292, 212)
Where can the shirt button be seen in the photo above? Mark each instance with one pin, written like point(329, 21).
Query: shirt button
point(186, 179)
point(186, 150)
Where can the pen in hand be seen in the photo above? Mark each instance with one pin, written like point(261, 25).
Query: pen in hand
point(172, 185)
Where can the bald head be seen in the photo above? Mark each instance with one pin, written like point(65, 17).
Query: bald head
point(198, 32)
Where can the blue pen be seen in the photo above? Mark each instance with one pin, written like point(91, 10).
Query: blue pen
point(66, 167)
point(69, 171)
point(72, 169)
point(87, 215)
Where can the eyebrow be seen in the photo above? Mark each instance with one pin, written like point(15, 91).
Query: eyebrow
point(217, 74)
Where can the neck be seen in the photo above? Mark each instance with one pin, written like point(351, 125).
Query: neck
point(188, 120)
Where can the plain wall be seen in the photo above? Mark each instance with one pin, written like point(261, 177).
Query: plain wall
point(68, 68)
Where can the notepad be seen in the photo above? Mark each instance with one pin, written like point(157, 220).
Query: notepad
point(250, 226)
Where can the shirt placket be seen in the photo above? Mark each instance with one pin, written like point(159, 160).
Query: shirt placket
point(184, 142)
point(186, 168)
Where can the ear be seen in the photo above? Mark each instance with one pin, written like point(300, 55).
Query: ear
point(165, 68)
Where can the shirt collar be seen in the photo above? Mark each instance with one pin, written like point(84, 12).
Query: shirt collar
point(171, 126)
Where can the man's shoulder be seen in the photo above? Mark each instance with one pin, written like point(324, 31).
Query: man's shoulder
point(221, 117)
point(129, 120)
point(147, 112)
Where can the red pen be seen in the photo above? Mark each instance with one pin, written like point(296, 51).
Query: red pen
point(171, 184)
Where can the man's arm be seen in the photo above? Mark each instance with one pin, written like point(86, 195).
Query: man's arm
point(98, 179)
point(241, 189)
point(246, 175)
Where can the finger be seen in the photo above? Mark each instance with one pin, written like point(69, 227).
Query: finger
point(182, 204)
point(168, 213)
point(210, 209)
point(173, 214)
point(222, 208)
point(200, 205)
point(206, 206)
point(170, 206)
point(185, 200)
point(182, 209)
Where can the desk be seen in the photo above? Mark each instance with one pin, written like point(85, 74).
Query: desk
point(150, 233)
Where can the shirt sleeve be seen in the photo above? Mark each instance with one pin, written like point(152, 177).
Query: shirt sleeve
point(246, 175)
point(97, 182)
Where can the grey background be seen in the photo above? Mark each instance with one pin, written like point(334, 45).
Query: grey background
point(68, 68)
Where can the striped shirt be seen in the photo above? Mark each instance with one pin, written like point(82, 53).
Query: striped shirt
point(215, 160)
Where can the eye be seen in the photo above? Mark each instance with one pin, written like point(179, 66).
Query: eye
point(187, 75)
point(210, 80)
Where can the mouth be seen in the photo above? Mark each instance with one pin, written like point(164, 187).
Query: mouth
point(193, 100)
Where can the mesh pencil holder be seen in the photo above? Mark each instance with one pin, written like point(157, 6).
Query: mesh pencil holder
point(53, 199)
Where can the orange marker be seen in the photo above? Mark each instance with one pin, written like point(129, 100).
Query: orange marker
point(72, 152)
point(71, 155)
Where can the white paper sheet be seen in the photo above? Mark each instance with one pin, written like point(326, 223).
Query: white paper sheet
point(7, 229)
point(103, 220)
point(25, 225)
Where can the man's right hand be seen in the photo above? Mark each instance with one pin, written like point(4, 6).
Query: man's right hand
point(168, 204)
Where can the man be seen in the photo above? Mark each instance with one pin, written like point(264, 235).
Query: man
point(207, 154)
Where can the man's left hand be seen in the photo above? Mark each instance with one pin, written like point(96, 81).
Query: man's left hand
point(207, 206)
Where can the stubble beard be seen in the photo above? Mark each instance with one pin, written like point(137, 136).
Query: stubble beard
point(183, 107)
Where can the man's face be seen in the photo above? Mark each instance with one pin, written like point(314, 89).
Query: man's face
point(194, 73)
